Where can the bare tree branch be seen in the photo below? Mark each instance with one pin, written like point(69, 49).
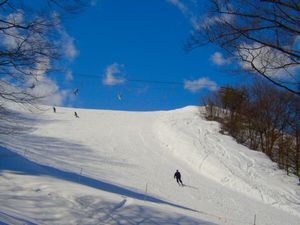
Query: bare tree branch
point(30, 48)
point(267, 32)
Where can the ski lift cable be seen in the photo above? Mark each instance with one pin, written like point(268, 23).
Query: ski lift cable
point(156, 81)
point(87, 75)
point(133, 80)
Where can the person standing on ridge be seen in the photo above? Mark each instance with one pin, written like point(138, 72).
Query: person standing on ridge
point(177, 175)
point(76, 115)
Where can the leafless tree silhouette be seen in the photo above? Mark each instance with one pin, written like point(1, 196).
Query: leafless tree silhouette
point(264, 35)
point(30, 47)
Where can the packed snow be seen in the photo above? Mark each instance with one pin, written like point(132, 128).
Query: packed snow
point(117, 167)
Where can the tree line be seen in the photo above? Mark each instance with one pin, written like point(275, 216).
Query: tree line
point(261, 117)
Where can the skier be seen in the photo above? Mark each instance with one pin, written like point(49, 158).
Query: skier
point(177, 175)
point(54, 109)
point(76, 115)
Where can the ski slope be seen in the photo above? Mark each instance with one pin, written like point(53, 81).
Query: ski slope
point(117, 167)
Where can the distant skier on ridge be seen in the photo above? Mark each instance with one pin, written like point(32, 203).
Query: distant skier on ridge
point(177, 175)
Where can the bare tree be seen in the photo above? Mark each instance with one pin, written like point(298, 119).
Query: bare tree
point(30, 48)
point(264, 35)
point(213, 106)
point(294, 125)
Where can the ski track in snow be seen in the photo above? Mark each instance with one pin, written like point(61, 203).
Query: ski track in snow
point(113, 167)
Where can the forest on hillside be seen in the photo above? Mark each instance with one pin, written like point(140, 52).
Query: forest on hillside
point(262, 117)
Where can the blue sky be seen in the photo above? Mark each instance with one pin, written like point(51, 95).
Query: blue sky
point(129, 55)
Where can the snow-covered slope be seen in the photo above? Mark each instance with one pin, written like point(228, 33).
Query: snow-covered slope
point(115, 167)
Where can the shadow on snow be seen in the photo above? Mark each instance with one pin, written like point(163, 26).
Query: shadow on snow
point(15, 162)
point(18, 164)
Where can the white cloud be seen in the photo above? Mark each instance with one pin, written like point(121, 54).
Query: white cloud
point(110, 77)
point(17, 17)
point(190, 10)
point(201, 83)
point(224, 18)
point(185, 11)
point(49, 91)
point(9, 41)
point(68, 46)
point(44, 88)
point(218, 59)
point(42, 67)
point(11, 38)
point(182, 7)
point(46, 91)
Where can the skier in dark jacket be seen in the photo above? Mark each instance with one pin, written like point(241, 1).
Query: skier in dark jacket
point(177, 175)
